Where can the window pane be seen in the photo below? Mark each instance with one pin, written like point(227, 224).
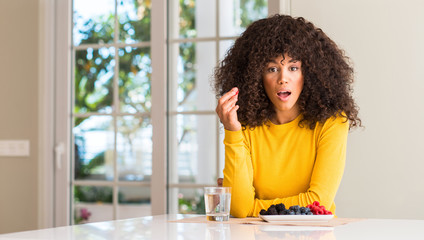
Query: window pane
point(191, 201)
point(94, 140)
point(236, 15)
point(134, 79)
point(134, 148)
point(134, 20)
point(186, 24)
point(195, 18)
point(194, 157)
point(94, 80)
point(205, 18)
point(190, 88)
point(93, 24)
point(134, 202)
point(92, 204)
point(224, 46)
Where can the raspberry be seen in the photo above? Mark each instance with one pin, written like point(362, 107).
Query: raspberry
point(319, 212)
point(316, 203)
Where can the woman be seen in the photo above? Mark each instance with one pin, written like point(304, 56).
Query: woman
point(286, 106)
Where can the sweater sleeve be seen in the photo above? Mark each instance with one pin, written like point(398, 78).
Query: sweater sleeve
point(238, 173)
point(325, 180)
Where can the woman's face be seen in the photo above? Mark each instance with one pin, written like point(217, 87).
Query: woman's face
point(283, 82)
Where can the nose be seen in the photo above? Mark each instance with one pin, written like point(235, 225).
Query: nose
point(282, 78)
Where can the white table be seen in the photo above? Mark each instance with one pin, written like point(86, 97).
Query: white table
point(158, 227)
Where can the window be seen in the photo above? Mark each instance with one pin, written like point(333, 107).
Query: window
point(111, 113)
point(116, 87)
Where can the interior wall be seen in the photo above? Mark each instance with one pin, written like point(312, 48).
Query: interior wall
point(384, 39)
point(19, 113)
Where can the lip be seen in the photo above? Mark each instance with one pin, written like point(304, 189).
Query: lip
point(284, 98)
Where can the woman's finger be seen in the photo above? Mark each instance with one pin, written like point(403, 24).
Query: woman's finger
point(228, 95)
point(232, 113)
point(227, 110)
point(228, 105)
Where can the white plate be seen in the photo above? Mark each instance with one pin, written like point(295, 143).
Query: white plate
point(296, 218)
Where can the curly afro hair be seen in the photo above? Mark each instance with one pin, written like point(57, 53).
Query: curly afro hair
point(326, 70)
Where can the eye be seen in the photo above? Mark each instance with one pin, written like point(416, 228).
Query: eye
point(294, 68)
point(272, 69)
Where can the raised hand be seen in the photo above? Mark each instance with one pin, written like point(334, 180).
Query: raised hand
point(227, 110)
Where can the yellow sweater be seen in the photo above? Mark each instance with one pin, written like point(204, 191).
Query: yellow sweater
point(284, 164)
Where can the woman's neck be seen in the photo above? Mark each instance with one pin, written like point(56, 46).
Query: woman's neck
point(285, 116)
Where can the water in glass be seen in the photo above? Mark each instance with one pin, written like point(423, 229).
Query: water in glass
point(217, 204)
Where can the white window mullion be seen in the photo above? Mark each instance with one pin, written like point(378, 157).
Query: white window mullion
point(46, 77)
point(173, 53)
point(217, 62)
point(62, 182)
point(159, 96)
point(109, 183)
point(108, 45)
point(192, 113)
point(114, 114)
point(279, 7)
point(200, 39)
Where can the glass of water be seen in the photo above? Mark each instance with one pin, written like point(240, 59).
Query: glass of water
point(217, 203)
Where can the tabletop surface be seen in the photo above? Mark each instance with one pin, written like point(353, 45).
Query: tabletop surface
point(159, 227)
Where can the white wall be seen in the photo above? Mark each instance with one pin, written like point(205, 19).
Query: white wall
point(385, 161)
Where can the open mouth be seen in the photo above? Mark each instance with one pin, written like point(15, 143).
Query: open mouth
point(284, 94)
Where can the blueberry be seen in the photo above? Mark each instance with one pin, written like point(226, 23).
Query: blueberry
point(263, 212)
point(291, 212)
point(310, 213)
point(295, 208)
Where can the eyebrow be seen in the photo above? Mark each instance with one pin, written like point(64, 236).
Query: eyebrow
point(291, 61)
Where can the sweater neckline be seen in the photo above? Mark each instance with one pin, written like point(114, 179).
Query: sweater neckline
point(292, 123)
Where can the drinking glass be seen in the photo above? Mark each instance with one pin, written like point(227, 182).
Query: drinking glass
point(217, 203)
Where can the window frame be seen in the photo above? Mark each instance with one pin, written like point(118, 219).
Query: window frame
point(63, 139)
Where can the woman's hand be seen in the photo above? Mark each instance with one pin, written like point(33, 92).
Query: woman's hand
point(227, 110)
